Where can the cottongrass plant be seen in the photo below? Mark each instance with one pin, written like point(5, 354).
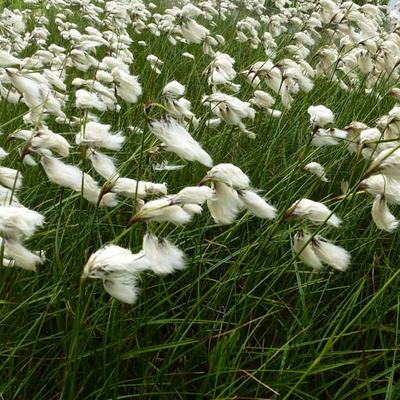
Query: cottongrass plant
point(228, 175)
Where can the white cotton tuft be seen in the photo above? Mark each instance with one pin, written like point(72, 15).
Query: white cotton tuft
point(188, 55)
point(46, 139)
point(11, 178)
point(3, 153)
point(62, 174)
point(179, 141)
point(19, 222)
point(226, 205)
point(257, 205)
point(173, 90)
point(103, 164)
point(262, 99)
point(192, 209)
point(193, 194)
point(162, 210)
point(8, 60)
point(72, 177)
point(314, 211)
point(317, 169)
point(128, 88)
point(122, 288)
point(86, 100)
point(331, 254)
point(166, 166)
point(230, 109)
point(96, 134)
point(382, 216)
point(130, 187)
point(328, 137)
point(21, 256)
point(230, 175)
point(383, 185)
point(111, 260)
point(320, 116)
point(8, 197)
point(164, 257)
point(303, 248)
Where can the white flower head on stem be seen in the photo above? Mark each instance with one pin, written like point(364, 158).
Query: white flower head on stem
point(335, 256)
point(162, 210)
point(99, 135)
point(228, 174)
point(18, 222)
point(21, 256)
point(226, 206)
point(382, 216)
point(178, 140)
point(118, 269)
point(11, 178)
point(314, 211)
point(173, 90)
point(320, 116)
point(163, 256)
point(304, 250)
point(317, 169)
point(193, 195)
point(256, 205)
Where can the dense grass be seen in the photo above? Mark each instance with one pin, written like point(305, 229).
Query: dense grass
point(245, 319)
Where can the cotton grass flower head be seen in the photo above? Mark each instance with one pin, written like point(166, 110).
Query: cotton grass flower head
point(193, 195)
point(37, 94)
point(8, 60)
point(176, 105)
point(267, 72)
point(20, 256)
point(70, 176)
point(382, 216)
point(256, 205)
point(155, 63)
point(113, 260)
point(315, 212)
point(317, 169)
point(96, 134)
point(316, 251)
point(226, 205)
point(123, 288)
point(87, 100)
point(127, 86)
point(11, 178)
point(221, 72)
point(231, 110)
point(302, 247)
point(265, 101)
point(228, 174)
point(328, 137)
point(335, 256)
point(320, 116)
point(233, 193)
point(381, 184)
point(102, 163)
point(163, 210)
point(43, 138)
point(132, 188)
point(387, 162)
point(117, 268)
point(173, 90)
point(164, 257)
point(175, 138)
point(18, 222)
